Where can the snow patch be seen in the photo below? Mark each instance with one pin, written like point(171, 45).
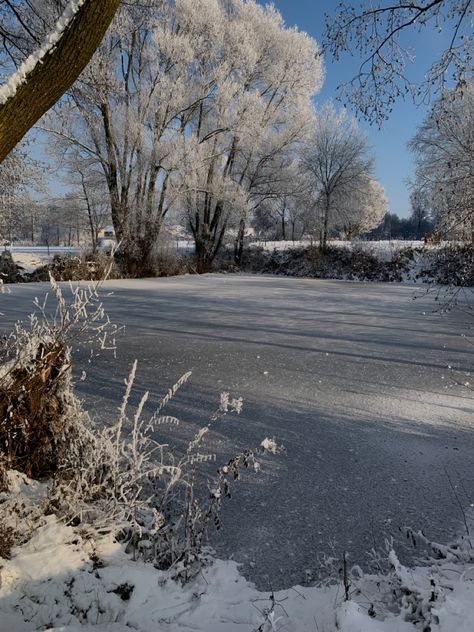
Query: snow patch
point(62, 581)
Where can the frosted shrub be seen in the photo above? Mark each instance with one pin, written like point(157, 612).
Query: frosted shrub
point(87, 266)
point(118, 479)
point(128, 483)
point(38, 409)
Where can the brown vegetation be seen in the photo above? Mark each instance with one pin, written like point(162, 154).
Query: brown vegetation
point(32, 411)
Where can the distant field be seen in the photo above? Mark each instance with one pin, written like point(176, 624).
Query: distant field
point(383, 246)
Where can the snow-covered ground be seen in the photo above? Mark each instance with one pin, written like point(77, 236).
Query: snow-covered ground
point(383, 248)
point(32, 257)
point(62, 580)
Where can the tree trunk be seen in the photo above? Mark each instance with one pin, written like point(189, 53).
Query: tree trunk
point(239, 244)
point(201, 259)
point(283, 226)
point(137, 259)
point(55, 72)
point(324, 232)
point(90, 216)
point(203, 251)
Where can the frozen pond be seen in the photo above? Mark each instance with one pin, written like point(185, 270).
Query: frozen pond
point(352, 378)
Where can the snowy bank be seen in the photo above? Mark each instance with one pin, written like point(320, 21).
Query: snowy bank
point(62, 580)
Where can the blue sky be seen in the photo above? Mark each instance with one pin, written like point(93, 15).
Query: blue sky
point(394, 163)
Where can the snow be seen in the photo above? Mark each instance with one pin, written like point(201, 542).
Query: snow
point(269, 445)
point(51, 583)
point(32, 257)
point(383, 248)
point(9, 89)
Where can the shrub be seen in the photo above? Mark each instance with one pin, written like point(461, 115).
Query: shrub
point(10, 272)
point(342, 262)
point(85, 267)
point(173, 264)
point(452, 265)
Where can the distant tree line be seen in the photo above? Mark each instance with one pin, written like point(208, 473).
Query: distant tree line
point(395, 227)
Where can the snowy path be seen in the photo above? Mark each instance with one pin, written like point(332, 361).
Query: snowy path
point(351, 378)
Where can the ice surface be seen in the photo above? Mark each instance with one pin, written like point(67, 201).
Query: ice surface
point(357, 389)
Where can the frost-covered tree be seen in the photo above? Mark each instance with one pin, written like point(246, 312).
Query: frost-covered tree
point(43, 77)
point(444, 153)
point(20, 176)
point(88, 191)
point(361, 208)
point(283, 215)
point(378, 32)
point(193, 107)
point(338, 164)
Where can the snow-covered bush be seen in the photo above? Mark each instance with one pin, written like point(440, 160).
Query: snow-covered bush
point(85, 267)
point(339, 262)
point(10, 272)
point(452, 265)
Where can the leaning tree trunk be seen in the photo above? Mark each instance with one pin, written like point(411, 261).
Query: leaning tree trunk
point(55, 72)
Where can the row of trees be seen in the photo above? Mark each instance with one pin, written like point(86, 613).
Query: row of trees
point(201, 114)
point(375, 30)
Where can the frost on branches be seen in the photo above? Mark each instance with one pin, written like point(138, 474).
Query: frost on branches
point(8, 89)
point(342, 191)
point(197, 113)
point(444, 152)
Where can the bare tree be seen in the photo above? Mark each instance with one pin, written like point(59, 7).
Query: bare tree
point(336, 160)
point(376, 32)
point(46, 74)
point(89, 191)
point(282, 215)
point(20, 176)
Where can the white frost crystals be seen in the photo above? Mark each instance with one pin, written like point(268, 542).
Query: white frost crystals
point(9, 89)
point(234, 404)
point(270, 445)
